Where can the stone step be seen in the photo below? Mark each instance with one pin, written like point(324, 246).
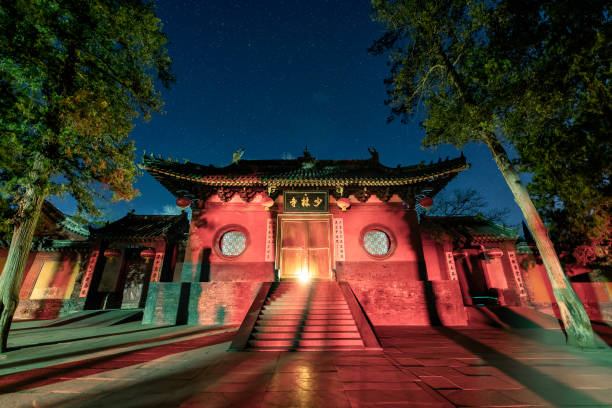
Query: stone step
point(304, 312)
point(328, 348)
point(302, 299)
point(309, 322)
point(306, 335)
point(307, 343)
point(308, 306)
point(307, 316)
point(306, 302)
point(291, 328)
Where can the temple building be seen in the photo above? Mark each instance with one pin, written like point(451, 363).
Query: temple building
point(51, 279)
point(300, 254)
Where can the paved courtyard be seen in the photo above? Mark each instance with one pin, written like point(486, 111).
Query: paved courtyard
point(131, 365)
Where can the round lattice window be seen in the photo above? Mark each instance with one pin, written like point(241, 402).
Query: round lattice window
point(233, 243)
point(376, 242)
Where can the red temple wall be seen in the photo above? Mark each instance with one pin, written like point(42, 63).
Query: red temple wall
point(595, 296)
point(48, 284)
point(205, 230)
point(392, 290)
point(406, 302)
point(401, 224)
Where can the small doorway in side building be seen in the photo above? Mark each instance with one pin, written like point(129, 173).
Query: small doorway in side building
point(125, 280)
point(471, 275)
point(136, 276)
point(304, 247)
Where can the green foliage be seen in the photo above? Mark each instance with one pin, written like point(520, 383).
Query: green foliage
point(73, 77)
point(536, 74)
point(431, 47)
point(567, 144)
point(6, 214)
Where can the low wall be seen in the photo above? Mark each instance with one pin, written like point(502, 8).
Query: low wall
point(220, 303)
point(47, 308)
point(596, 299)
point(595, 296)
point(399, 303)
point(203, 303)
point(166, 303)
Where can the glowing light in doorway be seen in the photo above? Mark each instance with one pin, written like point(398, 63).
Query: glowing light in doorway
point(304, 275)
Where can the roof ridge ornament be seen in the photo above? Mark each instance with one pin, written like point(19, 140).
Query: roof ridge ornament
point(307, 160)
point(374, 154)
point(237, 155)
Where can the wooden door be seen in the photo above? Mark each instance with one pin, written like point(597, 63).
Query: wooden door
point(305, 248)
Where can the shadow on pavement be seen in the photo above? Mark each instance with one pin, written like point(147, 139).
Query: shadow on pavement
point(604, 331)
point(54, 356)
point(73, 339)
point(221, 384)
point(550, 389)
point(72, 370)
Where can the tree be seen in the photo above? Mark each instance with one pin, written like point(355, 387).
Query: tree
point(568, 146)
point(73, 77)
point(478, 83)
point(467, 202)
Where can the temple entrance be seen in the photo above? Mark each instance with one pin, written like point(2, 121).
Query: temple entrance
point(305, 251)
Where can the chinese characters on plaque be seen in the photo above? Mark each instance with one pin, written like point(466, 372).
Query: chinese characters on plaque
point(306, 201)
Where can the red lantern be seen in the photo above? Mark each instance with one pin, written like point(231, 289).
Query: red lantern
point(112, 253)
point(147, 254)
point(183, 202)
point(426, 202)
point(343, 203)
point(267, 203)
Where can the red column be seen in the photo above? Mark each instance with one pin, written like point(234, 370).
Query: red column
point(430, 255)
point(158, 261)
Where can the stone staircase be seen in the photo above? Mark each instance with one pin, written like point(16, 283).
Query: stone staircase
point(305, 316)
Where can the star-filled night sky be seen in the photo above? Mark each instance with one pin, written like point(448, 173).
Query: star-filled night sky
point(272, 77)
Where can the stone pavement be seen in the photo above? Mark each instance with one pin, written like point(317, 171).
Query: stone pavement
point(131, 365)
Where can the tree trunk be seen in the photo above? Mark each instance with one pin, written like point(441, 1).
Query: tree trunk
point(575, 320)
point(12, 275)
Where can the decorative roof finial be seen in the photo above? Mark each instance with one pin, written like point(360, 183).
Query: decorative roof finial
point(374, 154)
point(237, 156)
point(307, 161)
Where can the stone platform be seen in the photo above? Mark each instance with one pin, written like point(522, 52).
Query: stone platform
point(131, 365)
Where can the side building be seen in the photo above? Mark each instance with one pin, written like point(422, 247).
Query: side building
point(52, 274)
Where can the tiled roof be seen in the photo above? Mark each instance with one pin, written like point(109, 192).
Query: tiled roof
point(59, 225)
point(134, 226)
point(60, 245)
point(302, 172)
point(475, 228)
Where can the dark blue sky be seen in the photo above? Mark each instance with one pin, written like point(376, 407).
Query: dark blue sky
point(272, 77)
